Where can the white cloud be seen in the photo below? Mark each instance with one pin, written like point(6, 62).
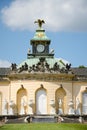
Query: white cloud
point(4, 63)
point(59, 15)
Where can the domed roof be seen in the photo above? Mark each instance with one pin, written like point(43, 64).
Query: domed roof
point(40, 35)
point(48, 63)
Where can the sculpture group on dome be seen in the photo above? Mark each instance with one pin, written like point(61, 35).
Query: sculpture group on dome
point(43, 66)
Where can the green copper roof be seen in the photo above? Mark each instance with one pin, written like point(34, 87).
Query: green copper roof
point(29, 62)
point(40, 35)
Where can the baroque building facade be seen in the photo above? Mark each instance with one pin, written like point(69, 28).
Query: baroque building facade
point(43, 84)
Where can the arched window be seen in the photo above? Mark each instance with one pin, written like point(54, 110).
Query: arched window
point(41, 101)
point(22, 101)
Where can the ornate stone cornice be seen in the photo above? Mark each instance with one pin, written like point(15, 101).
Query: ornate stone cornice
point(43, 76)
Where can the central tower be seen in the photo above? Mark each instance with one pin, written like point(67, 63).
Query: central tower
point(40, 42)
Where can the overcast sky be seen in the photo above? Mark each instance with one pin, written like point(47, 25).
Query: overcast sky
point(65, 25)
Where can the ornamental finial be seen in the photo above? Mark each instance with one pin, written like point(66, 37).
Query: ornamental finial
point(40, 22)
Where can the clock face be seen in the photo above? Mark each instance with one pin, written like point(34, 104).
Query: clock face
point(40, 48)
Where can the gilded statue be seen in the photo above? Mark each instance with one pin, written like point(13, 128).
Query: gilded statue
point(40, 22)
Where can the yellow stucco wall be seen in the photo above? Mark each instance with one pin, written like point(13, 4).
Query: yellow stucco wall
point(73, 90)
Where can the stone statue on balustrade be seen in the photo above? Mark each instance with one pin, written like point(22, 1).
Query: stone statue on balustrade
point(60, 104)
point(23, 106)
point(71, 108)
point(11, 108)
point(5, 107)
point(78, 109)
point(31, 105)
